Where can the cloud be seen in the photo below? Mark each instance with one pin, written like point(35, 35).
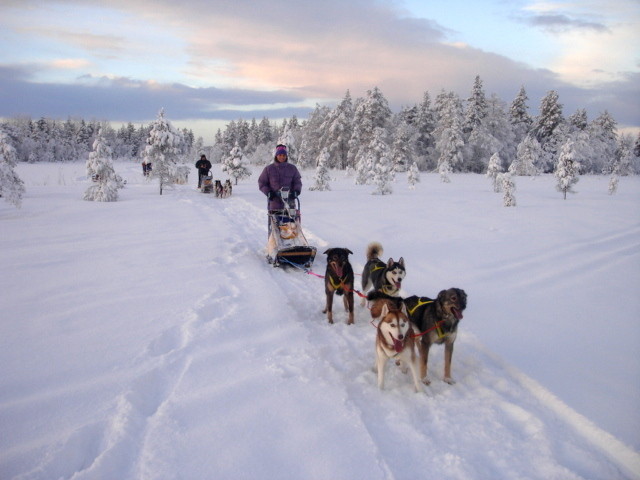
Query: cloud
point(125, 99)
point(559, 22)
point(256, 58)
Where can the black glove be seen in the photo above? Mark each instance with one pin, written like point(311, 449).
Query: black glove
point(271, 194)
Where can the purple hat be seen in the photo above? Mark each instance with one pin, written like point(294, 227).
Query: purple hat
point(281, 150)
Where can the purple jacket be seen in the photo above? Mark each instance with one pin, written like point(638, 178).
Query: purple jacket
point(277, 175)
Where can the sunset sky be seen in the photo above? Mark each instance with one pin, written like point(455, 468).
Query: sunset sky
point(210, 61)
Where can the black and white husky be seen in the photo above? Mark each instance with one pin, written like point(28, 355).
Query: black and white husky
point(395, 340)
point(379, 276)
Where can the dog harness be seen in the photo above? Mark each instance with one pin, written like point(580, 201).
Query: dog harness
point(440, 332)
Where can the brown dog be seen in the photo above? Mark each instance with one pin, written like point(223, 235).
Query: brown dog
point(338, 279)
point(437, 320)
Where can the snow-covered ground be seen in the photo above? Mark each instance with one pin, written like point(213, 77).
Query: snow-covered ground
point(149, 339)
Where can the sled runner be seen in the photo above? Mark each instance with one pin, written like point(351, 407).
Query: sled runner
point(286, 243)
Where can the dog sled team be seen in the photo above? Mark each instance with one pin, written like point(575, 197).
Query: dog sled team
point(403, 324)
point(206, 183)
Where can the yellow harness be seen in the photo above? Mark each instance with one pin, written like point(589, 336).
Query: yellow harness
point(438, 328)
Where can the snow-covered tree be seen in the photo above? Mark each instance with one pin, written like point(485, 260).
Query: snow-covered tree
point(337, 132)
point(233, 164)
point(567, 168)
point(11, 186)
point(500, 131)
point(449, 136)
point(322, 178)
point(476, 107)
point(312, 135)
point(624, 155)
point(604, 142)
point(413, 175)
point(508, 187)
point(426, 126)
point(519, 117)
point(493, 170)
point(528, 157)
point(105, 183)
point(288, 138)
point(548, 128)
point(163, 146)
point(402, 147)
point(380, 158)
point(371, 113)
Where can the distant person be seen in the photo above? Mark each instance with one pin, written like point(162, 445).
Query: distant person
point(146, 168)
point(203, 165)
point(277, 175)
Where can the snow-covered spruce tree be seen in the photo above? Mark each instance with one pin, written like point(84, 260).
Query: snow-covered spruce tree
point(548, 128)
point(426, 126)
point(402, 150)
point(519, 117)
point(413, 175)
point(380, 158)
point(105, 183)
point(493, 170)
point(11, 187)
point(370, 113)
point(322, 178)
point(527, 158)
point(288, 137)
point(476, 107)
point(604, 142)
point(163, 144)
point(337, 132)
point(311, 136)
point(500, 130)
point(449, 137)
point(567, 167)
point(233, 164)
point(508, 187)
point(624, 156)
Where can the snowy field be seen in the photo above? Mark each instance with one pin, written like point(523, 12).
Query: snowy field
point(149, 339)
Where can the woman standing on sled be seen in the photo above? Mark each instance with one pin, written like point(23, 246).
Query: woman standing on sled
point(277, 175)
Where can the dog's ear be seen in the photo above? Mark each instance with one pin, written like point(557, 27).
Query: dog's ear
point(328, 251)
point(385, 310)
point(462, 295)
point(401, 262)
point(390, 262)
point(348, 251)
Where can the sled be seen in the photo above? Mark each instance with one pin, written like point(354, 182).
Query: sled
point(207, 184)
point(286, 243)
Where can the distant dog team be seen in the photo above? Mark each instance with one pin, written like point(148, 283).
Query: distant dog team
point(403, 323)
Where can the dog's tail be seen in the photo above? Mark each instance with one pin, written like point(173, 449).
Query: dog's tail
point(374, 250)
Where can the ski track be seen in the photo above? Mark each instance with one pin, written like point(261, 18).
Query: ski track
point(130, 439)
point(614, 245)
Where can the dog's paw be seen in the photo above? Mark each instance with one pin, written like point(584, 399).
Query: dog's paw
point(426, 381)
point(449, 380)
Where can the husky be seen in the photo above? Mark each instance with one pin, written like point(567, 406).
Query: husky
point(338, 279)
point(395, 341)
point(438, 320)
point(379, 276)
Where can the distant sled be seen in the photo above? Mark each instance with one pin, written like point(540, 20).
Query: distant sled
point(286, 243)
